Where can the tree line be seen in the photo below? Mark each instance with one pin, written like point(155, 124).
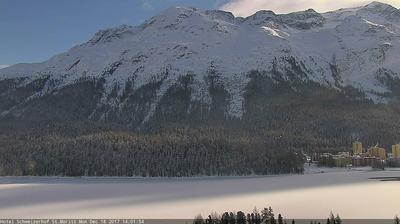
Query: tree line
point(67, 134)
point(131, 154)
point(265, 216)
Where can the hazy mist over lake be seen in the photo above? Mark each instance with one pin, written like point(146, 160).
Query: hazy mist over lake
point(351, 194)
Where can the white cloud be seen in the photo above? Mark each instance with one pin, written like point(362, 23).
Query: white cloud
point(146, 5)
point(249, 7)
point(4, 66)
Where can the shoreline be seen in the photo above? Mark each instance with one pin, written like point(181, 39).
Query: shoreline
point(313, 170)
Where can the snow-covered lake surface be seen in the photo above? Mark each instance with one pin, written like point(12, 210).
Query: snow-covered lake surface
point(352, 194)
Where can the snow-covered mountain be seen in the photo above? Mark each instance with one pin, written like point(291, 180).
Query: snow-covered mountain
point(356, 47)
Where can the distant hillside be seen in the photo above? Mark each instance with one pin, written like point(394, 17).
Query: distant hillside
point(240, 95)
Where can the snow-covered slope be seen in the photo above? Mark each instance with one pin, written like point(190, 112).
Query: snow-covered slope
point(347, 47)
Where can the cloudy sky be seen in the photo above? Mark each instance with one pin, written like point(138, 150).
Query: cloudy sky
point(33, 31)
point(248, 7)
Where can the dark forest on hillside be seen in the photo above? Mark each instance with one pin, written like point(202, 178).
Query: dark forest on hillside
point(66, 133)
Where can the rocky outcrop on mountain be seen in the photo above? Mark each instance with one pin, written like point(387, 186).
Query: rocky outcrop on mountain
point(192, 64)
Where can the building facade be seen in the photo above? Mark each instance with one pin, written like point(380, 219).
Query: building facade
point(396, 151)
point(377, 152)
point(357, 148)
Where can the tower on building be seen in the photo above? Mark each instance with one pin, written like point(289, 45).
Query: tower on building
point(396, 151)
point(357, 148)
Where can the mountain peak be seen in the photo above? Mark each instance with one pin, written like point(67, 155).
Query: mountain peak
point(328, 49)
point(170, 17)
point(376, 4)
point(379, 7)
point(383, 10)
point(107, 35)
point(219, 14)
point(177, 10)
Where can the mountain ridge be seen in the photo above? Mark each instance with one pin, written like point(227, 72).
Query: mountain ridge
point(192, 92)
point(347, 47)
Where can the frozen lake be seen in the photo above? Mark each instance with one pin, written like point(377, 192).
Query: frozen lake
point(352, 194)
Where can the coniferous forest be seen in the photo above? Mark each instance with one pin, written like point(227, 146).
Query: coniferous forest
point(265, 216)
point(68, 134)
point(201, 152)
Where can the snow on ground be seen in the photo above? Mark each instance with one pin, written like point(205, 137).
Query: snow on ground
point(296, 196)
point(314, 168)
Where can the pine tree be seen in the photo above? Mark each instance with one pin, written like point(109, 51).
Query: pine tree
point(332, 219)
point(256, 216)
point(267, 216)
point(232, 218)
point(396, 220)
point(272, 221)
point(249, 218)
point(198, 220)
point(225, 218)
point(214, 218)
point(280, 219)
point(338, 220)
point(240, 218)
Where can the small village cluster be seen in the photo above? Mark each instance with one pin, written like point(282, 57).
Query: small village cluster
point(374, 156)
